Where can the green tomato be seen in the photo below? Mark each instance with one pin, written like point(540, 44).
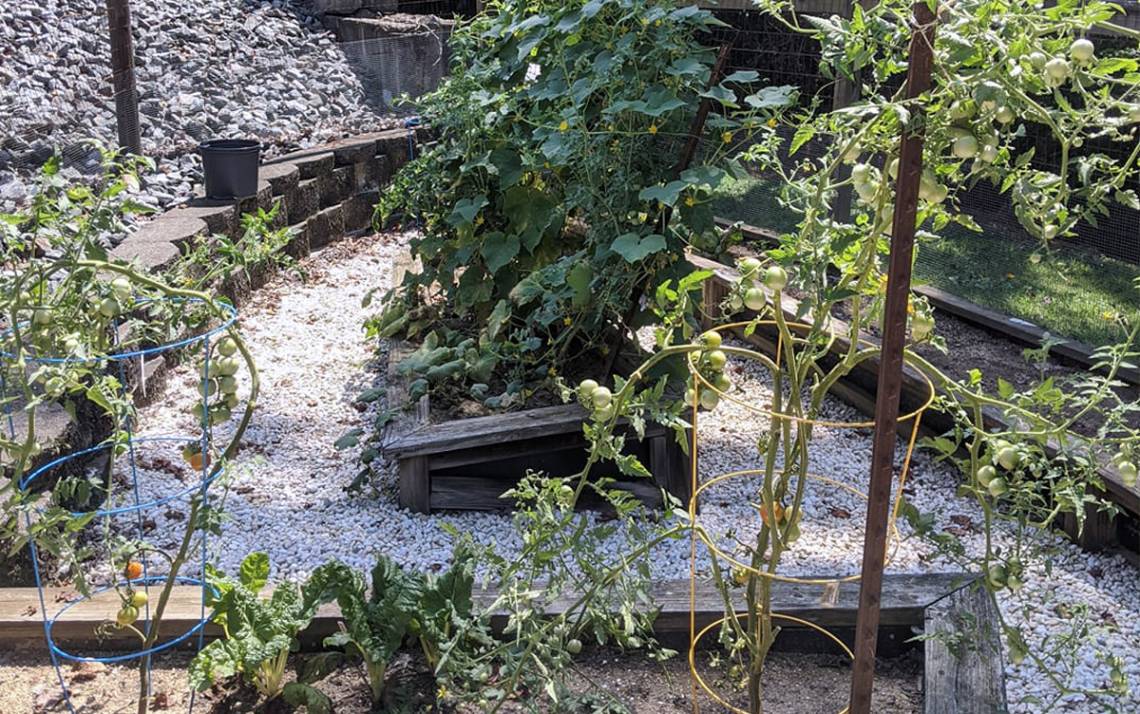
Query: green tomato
point(127, 615)
point(965, 147)
point(998, 487)
point(893, 168)
point(866, 190)
point(690, 397)
point(605, 413)
point(207, 388)
point(1134, 114)
point(138, 599)
point(1049, 232)
point(860, 173)
point(997, 576)
point(228, 385)
point(121, 288)
point(1057, 69)
point(749, 267)
point(711, 339)
point(601, 397)
point(227, 347)
point(921, 326)
point(41, 317)
point(109, 307)
point(986, 474)
point(226, 367)
point(709, 399)
point(988, 154)
point(586, 388)
point(1008, 458)
point(1127, 471)
point(776, 278)
point(722, 382)
point(231, 401)
point(1081, 50)
point(574, 646)
point(717, 360)
point(1005, 115)
point(1037, 60)
point(755, 299)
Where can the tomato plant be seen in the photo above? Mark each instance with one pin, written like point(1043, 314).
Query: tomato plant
point(71, 319)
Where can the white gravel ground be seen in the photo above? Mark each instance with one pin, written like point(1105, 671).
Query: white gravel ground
point(289, 499)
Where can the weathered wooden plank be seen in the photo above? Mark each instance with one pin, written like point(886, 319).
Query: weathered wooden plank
point(489, 430)
point(415, 484)
point(905, 600)
point(964, 672)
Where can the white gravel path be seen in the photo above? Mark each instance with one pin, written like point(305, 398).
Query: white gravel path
point(290, 501)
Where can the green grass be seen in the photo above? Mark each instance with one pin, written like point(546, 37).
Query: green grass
point(1070, 292)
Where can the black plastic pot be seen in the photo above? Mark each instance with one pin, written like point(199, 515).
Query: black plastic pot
point(230, 166)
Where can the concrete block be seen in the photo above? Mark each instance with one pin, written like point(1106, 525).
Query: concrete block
point(263, 199)
point(309, 162)
point(219, 216)
point(305, 202)
point(358, 210)
point(326, 226)
point(341, 184)
point(298, 246)
point(152, 256)
point(283, 178)
point(377, 173)
point(172, 227)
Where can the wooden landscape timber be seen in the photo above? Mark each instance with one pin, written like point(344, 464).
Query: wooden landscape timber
point(963, 680)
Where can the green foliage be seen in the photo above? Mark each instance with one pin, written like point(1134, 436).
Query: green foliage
point(259, 634)
point(398, 604)
point(260, 247)
point(555, 197)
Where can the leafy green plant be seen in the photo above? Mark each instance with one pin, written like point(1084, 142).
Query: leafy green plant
point(558, 193)
point(260, 634)
point(260, 247)
point(398, 604)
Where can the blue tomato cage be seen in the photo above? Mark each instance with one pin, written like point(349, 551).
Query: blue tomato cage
point(209, 473)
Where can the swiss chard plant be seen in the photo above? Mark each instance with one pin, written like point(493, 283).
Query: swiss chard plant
point(259, 635)
point(398, 605)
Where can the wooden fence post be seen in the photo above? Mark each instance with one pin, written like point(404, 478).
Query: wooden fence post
point(891, 364)
point(123, 76)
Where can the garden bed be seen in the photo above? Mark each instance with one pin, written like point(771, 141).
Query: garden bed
point(289, 496)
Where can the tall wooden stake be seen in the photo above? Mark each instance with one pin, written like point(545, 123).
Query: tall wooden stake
point(123, 76)
point(891, 365)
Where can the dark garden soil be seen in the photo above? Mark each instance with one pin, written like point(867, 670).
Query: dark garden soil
point(608, 681)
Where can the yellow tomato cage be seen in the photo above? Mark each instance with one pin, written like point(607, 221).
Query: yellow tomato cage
point(699, 535)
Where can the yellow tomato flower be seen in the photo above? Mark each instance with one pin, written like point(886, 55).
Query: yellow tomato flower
point(1108, 315)
point(772, 122)
point(564, 125)
point(690, 201)
point(567, 321)
point(1009, 276)
point(479, 220)
point(726, 137)
point(652, 128)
